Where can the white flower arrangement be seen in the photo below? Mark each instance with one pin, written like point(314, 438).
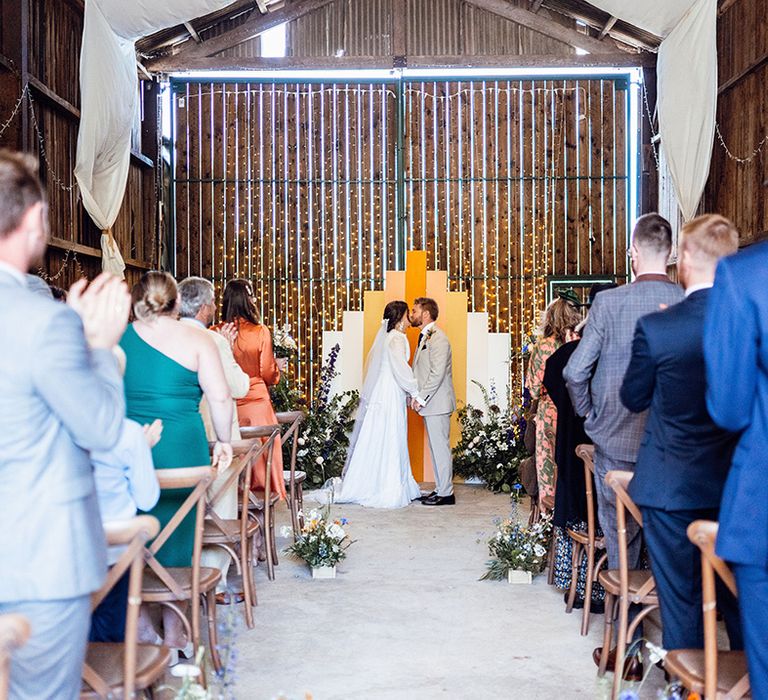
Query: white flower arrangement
point(283, 343)
point(322, 541)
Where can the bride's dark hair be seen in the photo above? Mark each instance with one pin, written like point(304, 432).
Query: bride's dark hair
point(393, 313)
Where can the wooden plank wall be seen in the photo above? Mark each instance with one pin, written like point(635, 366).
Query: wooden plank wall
point(47, 124)
point(738, 190)
point(293, 186)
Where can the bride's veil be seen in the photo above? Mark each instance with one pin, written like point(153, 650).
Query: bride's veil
point(372, 370)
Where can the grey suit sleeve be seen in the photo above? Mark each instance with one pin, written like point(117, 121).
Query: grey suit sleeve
point(82, 388)
point(439, 352)
point(578, 372)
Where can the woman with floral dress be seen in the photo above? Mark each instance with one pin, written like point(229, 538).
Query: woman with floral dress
point(560, 317)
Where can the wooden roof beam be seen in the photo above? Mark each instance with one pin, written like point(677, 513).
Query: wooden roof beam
point(544, 25)
point(262, 5)
point(607, 28)
point(536, 5)
point(192, 32)
point(253, 26)
point(227, 63)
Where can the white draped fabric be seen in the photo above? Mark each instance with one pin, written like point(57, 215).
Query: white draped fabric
point(109, 97)
point(687, 84)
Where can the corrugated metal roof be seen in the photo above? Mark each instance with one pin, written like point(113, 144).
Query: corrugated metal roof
point(435, 27)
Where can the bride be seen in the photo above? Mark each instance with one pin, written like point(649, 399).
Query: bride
point(378, 469)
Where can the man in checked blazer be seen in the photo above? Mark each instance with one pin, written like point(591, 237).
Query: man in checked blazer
point(595, 372)
point(60, 397)
point(432, 365)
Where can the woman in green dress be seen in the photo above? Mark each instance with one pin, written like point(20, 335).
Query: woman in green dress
point(170, 365)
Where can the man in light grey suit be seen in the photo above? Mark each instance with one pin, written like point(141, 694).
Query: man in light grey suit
point(595, 372)
point(60, 397)
point(432, 365)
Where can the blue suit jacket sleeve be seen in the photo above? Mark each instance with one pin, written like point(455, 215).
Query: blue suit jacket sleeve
point(578, 372)
point(82, 388)
point(730, 352)
point(639, 381)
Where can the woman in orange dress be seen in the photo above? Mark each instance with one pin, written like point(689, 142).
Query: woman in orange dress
point(253, 352)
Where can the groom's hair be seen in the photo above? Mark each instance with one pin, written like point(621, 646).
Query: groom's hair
point(429, 305)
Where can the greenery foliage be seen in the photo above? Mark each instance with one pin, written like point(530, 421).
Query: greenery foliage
point(517, 546)
point(321, 542)
point(491, 445)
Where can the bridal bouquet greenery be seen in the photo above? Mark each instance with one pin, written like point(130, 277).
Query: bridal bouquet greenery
point(518, 547)
point(325, 432)
point(322, 541)
point(491, 445)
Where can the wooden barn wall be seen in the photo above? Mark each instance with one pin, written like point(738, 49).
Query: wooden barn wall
point(40, 48)
point(297, 187)
point(738, 190)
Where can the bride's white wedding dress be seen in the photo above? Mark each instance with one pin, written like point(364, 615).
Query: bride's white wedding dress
point(378, 469)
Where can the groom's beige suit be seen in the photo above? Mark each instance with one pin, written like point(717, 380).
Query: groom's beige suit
point(432, 367)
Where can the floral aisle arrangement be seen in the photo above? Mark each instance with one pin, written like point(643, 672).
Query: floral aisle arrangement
point(283, 344)
point(322, 542)
point(518, 547)
point(491, 445)
point(283, 395)
point(325, 432)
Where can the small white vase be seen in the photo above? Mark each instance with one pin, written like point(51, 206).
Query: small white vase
point(518, 576)
point(323, 572)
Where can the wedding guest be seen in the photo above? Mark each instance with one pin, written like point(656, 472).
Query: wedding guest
point(170, 366)
point(59, 294)
point(60, 397)
point(596, 370)
point(253, 352)
point(125, 483)
point(560, 317)
point(198, 308)
point(684, 458)
point(570, 495)
point(735, 347)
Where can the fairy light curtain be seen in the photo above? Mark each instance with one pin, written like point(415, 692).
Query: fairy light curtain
point(313, 191)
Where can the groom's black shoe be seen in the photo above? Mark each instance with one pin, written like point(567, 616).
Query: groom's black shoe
point(426, 496)
point(440, 500)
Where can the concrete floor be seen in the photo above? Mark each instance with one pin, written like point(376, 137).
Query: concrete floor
point(407, 617)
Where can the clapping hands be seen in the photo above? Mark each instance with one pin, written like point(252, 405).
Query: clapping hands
point(103, 305)
point(229, 332)
point(153, 432)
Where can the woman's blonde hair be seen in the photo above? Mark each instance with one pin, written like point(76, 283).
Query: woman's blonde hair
point(561, 316)
point(155, 295)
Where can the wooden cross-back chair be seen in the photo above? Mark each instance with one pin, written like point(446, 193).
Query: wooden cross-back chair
point(168, 586)
point(236, 536)
point(264, 500)
point(294, 480)
point(718, 675)
point(120, 669)
point(14, 633)
point(586, 544)
point(624, 586)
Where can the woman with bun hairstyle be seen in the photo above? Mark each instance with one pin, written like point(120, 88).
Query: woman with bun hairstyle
point(253, 351)
point(170, 365)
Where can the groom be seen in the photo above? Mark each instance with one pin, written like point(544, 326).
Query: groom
point(432, 367)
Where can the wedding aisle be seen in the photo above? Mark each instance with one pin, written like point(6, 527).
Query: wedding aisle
point(408, 618)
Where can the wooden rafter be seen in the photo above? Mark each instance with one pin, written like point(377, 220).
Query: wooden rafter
point(192, 32)
point(544, 25)
point(253, 26)
point(262, 5)
point(227, 63)
point(607, 28)
point(536, 5)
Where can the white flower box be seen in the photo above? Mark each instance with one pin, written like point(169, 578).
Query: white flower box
point(518, 576)
point(323, 572)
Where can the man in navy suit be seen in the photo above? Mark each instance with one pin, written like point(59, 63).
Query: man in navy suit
point(684, 457)
point(736, 354)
